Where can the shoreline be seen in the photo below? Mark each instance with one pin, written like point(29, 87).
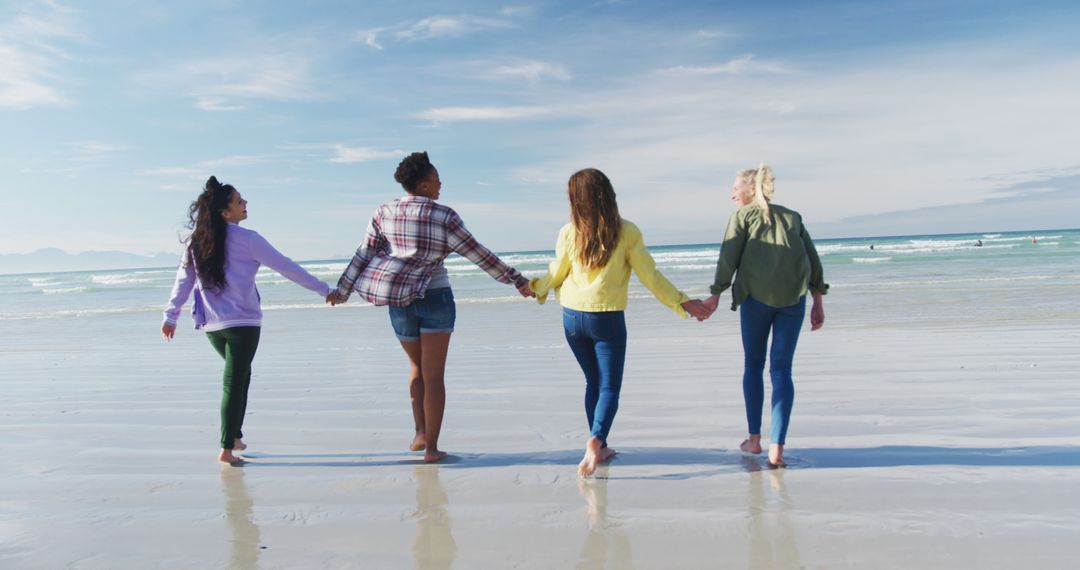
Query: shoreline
point(531, 252)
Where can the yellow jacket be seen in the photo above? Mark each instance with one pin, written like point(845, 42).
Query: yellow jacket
point(605, 288)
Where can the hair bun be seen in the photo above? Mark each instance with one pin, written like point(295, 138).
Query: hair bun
point(212, 184)
point(412, 169)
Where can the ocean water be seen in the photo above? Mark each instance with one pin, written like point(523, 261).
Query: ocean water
point(945, 278)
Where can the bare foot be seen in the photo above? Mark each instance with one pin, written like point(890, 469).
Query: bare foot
point(751, 444)
point(607, 453)
point(226, 456)
point(419, 443)
point(776, 455)
point(588, 463)
point(239, 445)
point(433, 456)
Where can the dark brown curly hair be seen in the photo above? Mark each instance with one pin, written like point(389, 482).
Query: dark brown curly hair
point(412, 170)
point(206, 243)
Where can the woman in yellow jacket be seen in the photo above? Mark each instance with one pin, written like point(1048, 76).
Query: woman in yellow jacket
point(594, 255)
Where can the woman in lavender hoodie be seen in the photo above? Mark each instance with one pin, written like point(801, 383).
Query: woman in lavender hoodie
point(220, 265)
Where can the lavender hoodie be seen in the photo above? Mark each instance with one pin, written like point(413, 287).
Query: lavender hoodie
point(237, 305)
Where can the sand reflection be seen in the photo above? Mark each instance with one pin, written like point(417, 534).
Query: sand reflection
point(771, 532)
point(244, 547)
point(434, 547)
point(607, 544)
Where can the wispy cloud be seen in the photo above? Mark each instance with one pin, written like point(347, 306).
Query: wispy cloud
point(739, 65)
point(516, 11)
point(31, 56)
point(870, 121)
point(225, 84)
point(531, 70)
point(450, 26)
point(89, 151)
point(441, 27)
point(339, 153)
point(200, 170)
point(371, 37)
point(461, 114)
point(712, 34)
point(235, 160)
point(347, 155)
point(216, 104)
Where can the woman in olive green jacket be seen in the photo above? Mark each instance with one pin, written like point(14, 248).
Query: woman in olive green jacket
point(770, 256)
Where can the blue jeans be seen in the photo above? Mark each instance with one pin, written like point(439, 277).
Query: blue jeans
point(435, 312)
point(598, 341)
point(757, 320)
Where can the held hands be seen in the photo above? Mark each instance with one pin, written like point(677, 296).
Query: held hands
point(697, 309)
point(335, 298)
point(702, 310)
point(525, 290)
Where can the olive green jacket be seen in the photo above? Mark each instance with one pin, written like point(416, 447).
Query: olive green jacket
point(773, 263)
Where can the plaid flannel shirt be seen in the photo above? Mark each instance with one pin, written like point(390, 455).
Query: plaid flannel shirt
point(404, 243)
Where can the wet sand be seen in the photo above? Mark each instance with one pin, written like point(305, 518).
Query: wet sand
point(913, 445)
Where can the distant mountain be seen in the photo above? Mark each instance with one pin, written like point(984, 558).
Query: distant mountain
point(56, 260)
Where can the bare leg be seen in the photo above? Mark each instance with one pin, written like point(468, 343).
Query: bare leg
point(416, 392)
point(751, 444)
point(433, 349)
point(776, 455)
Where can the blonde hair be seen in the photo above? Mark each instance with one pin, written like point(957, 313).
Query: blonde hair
point(761, 179)
point(595, 216)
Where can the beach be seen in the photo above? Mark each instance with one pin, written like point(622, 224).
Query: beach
point(934, 426)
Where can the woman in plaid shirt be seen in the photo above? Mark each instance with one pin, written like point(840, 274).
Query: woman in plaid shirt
point(400, 263)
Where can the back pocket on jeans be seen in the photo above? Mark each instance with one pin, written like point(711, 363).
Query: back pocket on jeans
point(602, 327)
point(569, 324)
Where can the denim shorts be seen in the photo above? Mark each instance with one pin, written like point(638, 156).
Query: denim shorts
point(433, 313)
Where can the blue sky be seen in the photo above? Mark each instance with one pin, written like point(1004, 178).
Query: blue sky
point(878, 118)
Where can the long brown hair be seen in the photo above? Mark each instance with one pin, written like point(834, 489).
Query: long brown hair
point(206, 243)
point(595, 216)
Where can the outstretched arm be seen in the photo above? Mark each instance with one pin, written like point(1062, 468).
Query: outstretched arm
point(644, 266)
point(463, 243)
point(557, 270)
point(265, 254)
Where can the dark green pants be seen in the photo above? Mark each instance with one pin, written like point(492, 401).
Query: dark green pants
point(237, 346)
